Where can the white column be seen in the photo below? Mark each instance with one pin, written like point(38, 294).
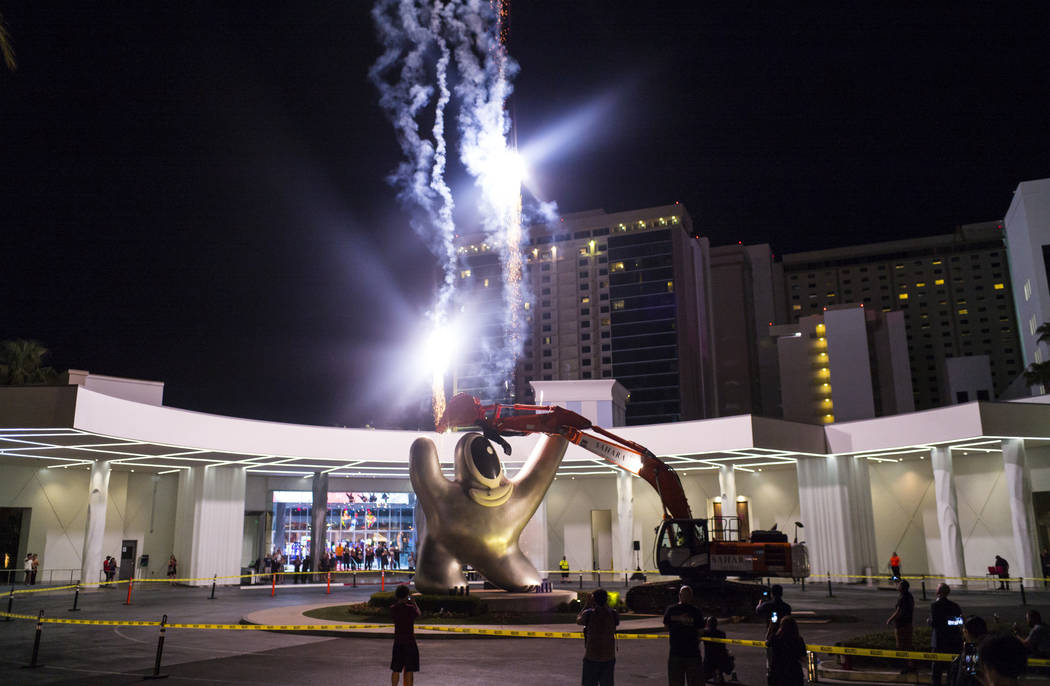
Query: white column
point(209, 523)
point(1019, 490)
point(727, 489)
point(318, 518)
point(834, 495)
point(623, 531)
point(95, 527)
point(953, 558)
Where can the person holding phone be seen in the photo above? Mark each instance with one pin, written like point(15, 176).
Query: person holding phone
point(405, 655)
point(963, 669)
point(774, 610)
point(599, 639)
point(946, 621)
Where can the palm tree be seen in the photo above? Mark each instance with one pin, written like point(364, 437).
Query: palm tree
point(21, 362)
point(6, 48)
point(1038, 373)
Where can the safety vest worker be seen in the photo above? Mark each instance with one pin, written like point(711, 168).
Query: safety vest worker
point(564, 567)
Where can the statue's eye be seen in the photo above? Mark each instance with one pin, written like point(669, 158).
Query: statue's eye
point(485, 459)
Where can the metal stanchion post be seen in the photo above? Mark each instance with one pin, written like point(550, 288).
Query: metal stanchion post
point(830, 594)
point(10, 601)
point(160, 650)
point(803, 584)
point(924, 587)
point(76, 597)
point(213, 578)
point(581, 580)
point(625, 579)
point(354, 577)
point(1020, 584)
point(36, 641)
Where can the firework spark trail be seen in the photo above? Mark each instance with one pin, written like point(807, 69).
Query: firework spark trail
point(465, 35)
point(485, 125)
point(445, 222)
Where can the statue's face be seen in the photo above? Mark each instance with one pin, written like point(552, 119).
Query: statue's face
point(479, 469)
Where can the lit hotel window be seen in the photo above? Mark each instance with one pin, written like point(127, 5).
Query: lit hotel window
point(902, 296)
point(998, 286)
point(670, 286)
point(617, 304)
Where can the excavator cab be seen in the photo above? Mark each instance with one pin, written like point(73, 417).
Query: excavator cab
point(682, 546)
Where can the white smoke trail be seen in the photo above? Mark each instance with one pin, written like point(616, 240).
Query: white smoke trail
point(423, 41)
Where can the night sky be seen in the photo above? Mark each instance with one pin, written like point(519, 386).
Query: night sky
point(195, 192)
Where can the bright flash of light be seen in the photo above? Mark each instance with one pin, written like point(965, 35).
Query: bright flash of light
point(439, 351)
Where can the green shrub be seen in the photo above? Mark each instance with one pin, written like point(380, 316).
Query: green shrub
point(432, 604)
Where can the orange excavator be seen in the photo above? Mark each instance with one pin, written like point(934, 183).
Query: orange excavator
point(694, 549)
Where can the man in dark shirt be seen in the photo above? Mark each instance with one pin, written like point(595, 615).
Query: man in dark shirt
point(1038, 640)
point(773, 609)
point(599, 638)
point(946, 621)
point(901, 620)
point(405, 656)
point(684, 621)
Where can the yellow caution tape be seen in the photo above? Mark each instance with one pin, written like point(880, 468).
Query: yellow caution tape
point(521, 633)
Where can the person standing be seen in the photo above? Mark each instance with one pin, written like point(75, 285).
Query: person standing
point(717, 660)
point(787, 650)
point(1001, 660)
point(297, 566)
point(901, 620)
point(173, 569)
point(1044, 560)
point(895, 566)
point(946, 622)
point(1037, 642)
point(404, 658)
point(1004, 572)
point(563, 565)
point(683, 621)
point(599, 623)
point(36, 567)
point(774, 610)
point(962, 671)
point(27, 566)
